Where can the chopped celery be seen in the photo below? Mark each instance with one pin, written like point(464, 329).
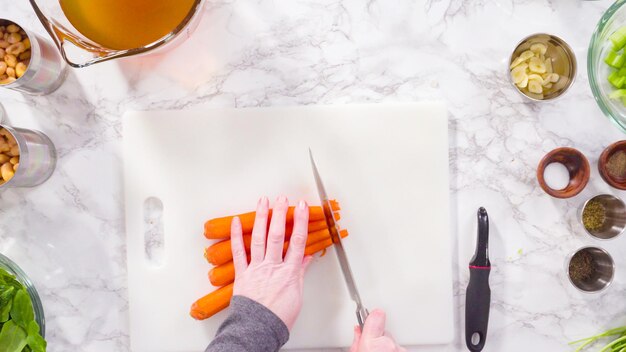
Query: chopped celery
point(622, 71)
point(616, 80)
point(618, 38)
point(618, 94)
point(615, 59)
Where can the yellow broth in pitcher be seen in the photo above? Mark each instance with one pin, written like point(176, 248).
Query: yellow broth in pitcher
point(126, 24)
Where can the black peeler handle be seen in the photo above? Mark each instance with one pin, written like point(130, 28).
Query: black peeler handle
point(478, 297)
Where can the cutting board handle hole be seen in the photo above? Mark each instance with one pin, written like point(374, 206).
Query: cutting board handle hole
point(154, 241)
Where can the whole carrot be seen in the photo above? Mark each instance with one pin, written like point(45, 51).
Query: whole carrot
point(212, 303)
point(219, 228)
point(225, 274)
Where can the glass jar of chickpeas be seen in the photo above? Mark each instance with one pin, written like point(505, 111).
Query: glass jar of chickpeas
point(28, 62)
point(27, 157)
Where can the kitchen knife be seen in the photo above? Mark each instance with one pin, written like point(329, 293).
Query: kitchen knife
point(361, 312)
point(478, 297)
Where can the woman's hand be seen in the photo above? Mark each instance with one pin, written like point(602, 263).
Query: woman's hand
point(373, 337)
point(268, 279)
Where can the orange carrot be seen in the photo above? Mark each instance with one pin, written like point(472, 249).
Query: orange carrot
point(224, 274)
point(220, 228)
point(221, 252)
point(212, 303)
point(313, 227)
point(318, 246)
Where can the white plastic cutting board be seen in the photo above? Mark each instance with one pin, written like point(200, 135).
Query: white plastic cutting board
point(386, 164)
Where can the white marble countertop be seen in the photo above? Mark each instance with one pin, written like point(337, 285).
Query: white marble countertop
point(68, 234)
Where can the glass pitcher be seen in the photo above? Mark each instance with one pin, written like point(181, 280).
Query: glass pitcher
point(66, 36)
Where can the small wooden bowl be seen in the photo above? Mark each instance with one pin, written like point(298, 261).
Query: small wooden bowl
point(577, 165)
point(615, 182)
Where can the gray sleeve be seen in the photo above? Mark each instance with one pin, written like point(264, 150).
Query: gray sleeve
point(250, 327)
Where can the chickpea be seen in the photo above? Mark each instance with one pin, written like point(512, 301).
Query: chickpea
point(4, 159)
point(20, 69)
point(26, 43)
point(12, 28)
point(14, 38)
point(4, 147)
point(15, 166)
point(14, 160)
point(4, 44)
point(10, 139)
point(11, 72)
point(10, 59)
point(2, 52)
point(24, 56)
point(15, 49)
point(7, 172)
point(14, 151)
point(3, 67)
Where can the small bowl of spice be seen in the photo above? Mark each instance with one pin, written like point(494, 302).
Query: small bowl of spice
point(612, 165)
point(542, 67)
point(591, 269)
point(603, 216)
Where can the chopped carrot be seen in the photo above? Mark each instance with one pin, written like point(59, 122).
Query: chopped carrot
point(318, 246)
point(221, 252)
point(220, 228)
point(313, 227)
point(212, 303)
point(224, 274)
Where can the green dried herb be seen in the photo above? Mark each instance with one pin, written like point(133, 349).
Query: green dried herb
point(594, 215)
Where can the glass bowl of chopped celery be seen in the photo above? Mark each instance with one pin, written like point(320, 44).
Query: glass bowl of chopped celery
point(22, 320)
point(606, 64)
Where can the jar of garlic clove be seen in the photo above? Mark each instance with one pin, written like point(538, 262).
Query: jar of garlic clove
point(28, 62)
point(27, 157)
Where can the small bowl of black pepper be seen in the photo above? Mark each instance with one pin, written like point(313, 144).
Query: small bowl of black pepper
point(603, 216)
point(591, 269)
point(612, 165)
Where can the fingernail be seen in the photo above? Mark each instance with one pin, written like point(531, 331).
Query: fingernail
point(302, 205)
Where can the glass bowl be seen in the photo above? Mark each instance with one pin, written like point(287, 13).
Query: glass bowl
point(8, 265)
point(598, 71)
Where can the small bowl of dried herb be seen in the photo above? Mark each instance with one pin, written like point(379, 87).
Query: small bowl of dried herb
point(591, 269)
point(603, 216)
point(612, 165)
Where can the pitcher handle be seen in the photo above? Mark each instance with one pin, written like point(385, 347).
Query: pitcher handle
point(97, 54)
point(61, 36)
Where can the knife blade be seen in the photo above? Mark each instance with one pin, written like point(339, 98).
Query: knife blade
point(333, 228)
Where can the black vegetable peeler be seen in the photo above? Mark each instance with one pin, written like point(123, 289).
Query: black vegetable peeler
point(478, 296)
